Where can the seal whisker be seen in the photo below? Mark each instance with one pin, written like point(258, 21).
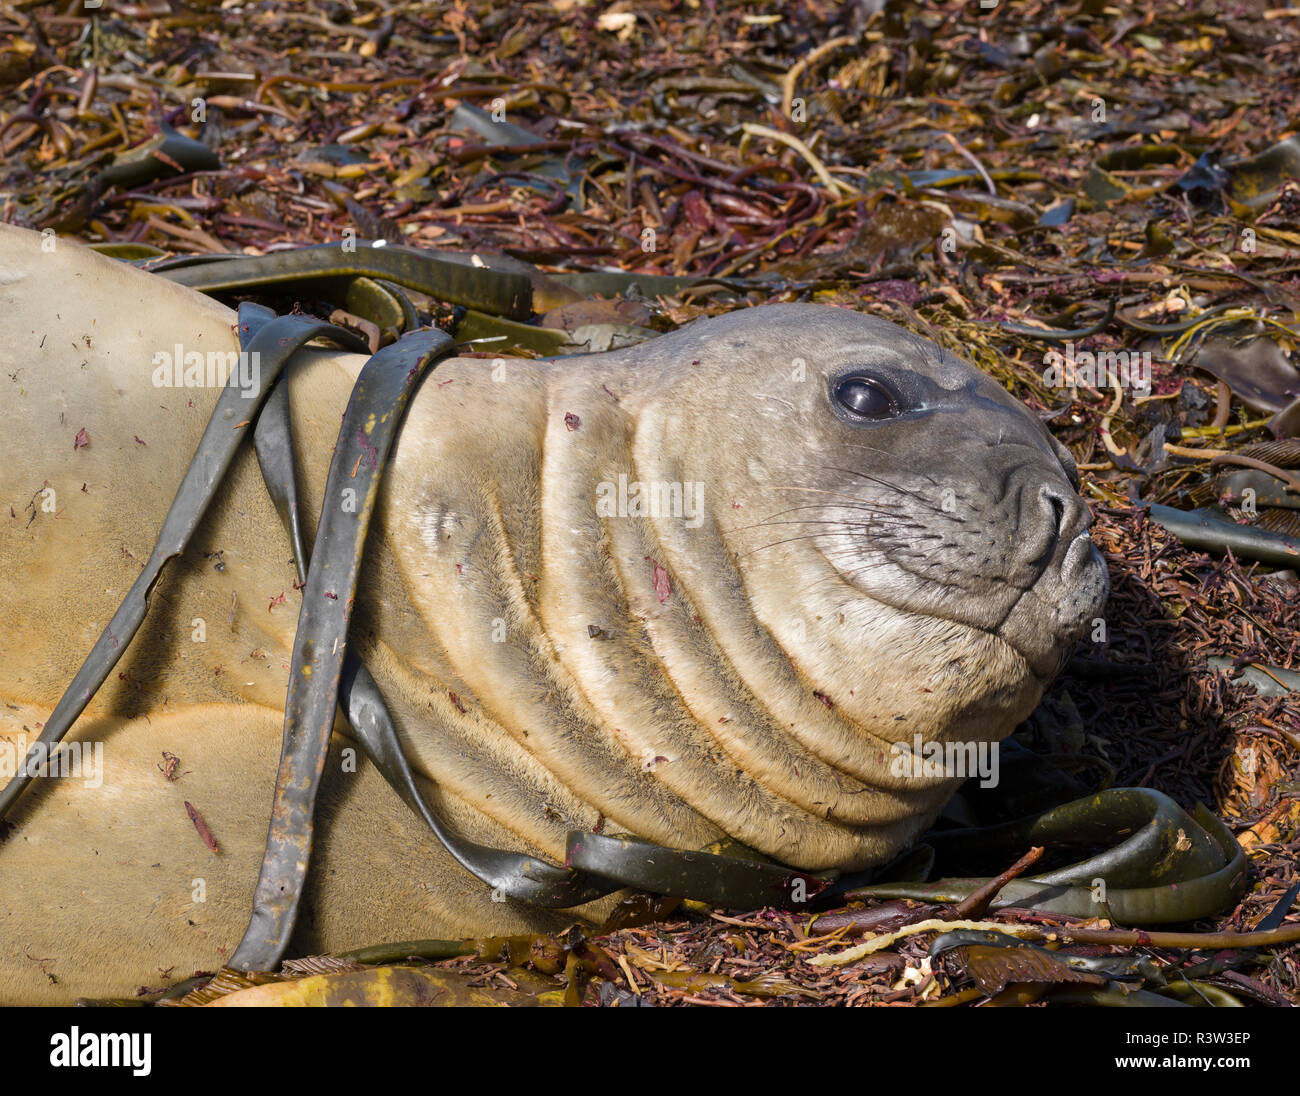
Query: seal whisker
point(787, 540)
point(841, 525)
point(845, 529)
point(876, 480)
point(845, 506)
point(885, 452)
point(820, 491)
point(841, 506)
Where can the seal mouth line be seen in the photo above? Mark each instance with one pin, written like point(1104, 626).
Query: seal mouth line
point(993, 631)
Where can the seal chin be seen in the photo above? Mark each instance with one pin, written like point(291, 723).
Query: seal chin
point(1037, 614)
point(1038, 624)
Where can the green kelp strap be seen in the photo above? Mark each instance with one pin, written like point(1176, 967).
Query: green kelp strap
point(1193, 863)
point(1206, 531)
point(369, 426)
point(446, 276)
point(516, 875)
point(274, 344)
point(495, 284)
point(731, 881)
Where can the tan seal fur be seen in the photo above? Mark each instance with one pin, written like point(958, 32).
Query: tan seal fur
point(843, 587)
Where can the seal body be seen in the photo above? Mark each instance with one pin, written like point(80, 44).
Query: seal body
point(700, 588)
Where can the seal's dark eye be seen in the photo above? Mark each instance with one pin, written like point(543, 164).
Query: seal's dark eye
point(864, 398)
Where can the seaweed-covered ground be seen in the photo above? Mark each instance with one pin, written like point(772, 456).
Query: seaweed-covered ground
point(1017, 179)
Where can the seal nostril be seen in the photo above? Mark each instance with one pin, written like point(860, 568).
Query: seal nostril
point(1056, 523)
point(1058, 512)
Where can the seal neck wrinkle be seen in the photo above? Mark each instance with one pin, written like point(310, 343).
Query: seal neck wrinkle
point(481, 578)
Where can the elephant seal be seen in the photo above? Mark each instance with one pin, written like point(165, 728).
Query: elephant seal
point(696, 589)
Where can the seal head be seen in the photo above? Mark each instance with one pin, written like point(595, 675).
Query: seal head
point(918, 479)
point(759, 553)
point(871, 478)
